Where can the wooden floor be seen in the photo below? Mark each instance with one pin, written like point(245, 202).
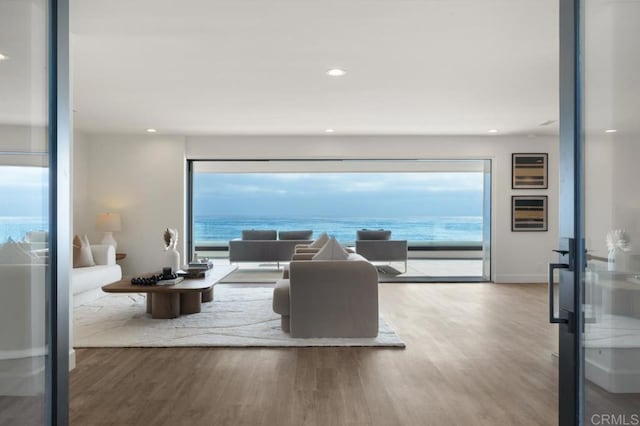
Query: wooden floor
point(477, 354)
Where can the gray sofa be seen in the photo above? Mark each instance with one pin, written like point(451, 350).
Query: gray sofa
point(377, 246)
point(267, 245)
point(328, 298)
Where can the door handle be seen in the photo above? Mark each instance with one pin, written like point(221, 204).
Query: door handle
point(552, 268)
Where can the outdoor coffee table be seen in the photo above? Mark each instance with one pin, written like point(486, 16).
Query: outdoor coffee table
point(171, 301)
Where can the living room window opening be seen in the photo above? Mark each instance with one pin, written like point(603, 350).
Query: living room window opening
point(415, 219)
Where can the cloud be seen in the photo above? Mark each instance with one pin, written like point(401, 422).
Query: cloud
point(326, 194)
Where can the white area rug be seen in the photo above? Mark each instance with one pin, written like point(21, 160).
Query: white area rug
point(254, 275)
point(238, 317)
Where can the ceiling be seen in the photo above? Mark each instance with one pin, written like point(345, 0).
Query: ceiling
point(435, 67)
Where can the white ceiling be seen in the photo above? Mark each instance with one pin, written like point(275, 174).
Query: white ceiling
point(258, 67)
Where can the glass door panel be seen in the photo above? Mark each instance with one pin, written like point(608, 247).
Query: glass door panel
point(611, 113)
point(24, 210)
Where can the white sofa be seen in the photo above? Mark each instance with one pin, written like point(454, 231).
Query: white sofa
point(86, 282)
point(22, 329)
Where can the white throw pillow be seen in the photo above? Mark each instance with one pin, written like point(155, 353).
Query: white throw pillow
point(15, 253)
point(82, 255)
point(331, 251)
point(320, 242)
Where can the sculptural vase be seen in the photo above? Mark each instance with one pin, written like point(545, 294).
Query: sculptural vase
point(172, 259)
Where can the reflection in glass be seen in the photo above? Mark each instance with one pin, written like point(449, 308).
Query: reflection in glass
point(612, 211)
point(24, 205)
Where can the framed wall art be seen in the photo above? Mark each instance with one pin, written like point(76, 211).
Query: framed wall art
point(529, 213)
point(529, 171)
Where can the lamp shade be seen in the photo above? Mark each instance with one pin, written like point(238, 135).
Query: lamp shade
point(108, 222)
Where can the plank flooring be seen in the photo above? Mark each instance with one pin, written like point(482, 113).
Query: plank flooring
point(477, 354)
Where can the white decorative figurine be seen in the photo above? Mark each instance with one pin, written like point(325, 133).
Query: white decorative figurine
point(617, 244)
point(171, 247)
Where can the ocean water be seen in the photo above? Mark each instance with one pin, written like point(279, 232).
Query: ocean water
point(454, 228)
point(16, 228)
point(210, 228)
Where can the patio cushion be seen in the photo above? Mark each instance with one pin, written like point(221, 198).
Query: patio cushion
point(296, 235)
point(259, 234)
point(370, 234)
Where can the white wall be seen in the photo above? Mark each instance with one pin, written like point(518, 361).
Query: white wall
point(611, 196)
point(143, 179)
point(517, 256)
point(81, 221)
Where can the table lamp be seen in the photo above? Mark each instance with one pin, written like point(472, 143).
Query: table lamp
point(109, 223)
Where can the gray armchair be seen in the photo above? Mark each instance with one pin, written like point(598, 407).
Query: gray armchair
point(377, 246)
point(329, 298)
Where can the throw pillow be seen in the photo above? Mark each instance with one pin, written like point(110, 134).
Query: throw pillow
point(295, 235)
point(369, 234)
point(82, 256)
point(331, 251)
point(320, 242)
point(15, 253)
point(259, 234)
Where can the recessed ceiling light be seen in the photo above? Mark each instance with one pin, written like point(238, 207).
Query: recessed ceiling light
point(329, 130)
point(3, 57)
point(610, 131)
point(336, 72)
point(151, 130)
point(492, 130)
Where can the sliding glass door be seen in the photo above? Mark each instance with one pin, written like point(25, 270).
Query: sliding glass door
point(611, 129)
point(33, 327)
point(598, 255)
point(437, 212)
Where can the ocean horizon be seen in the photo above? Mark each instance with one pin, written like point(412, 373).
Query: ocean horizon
point(413, 228)
point(225, 228)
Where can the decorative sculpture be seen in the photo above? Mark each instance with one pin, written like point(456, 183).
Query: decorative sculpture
point(171, 247)
point(617, 244)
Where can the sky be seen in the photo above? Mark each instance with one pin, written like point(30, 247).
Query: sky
point(338, 194)
point(23, 191)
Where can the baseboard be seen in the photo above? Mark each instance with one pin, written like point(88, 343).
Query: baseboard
point(22, 377)
point(23, 353)
point(613, 381)
point(519, 279)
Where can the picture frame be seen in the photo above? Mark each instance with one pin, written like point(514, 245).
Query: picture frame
point(529, 213)
point(530, 170)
